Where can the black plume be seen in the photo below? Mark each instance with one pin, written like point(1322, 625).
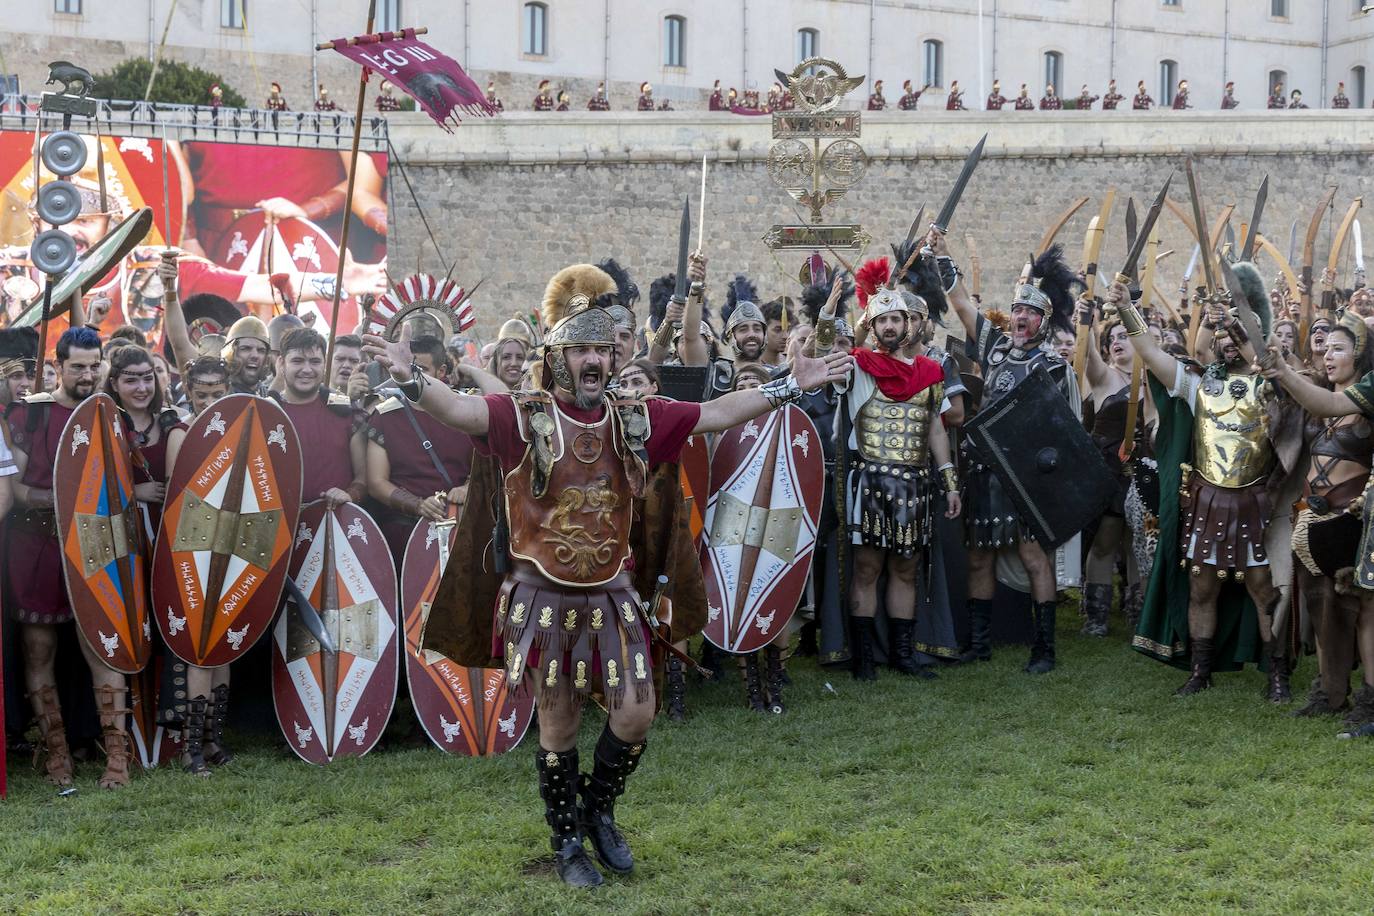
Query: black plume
point(627, 293)
point(660, 291)
point(922, 278)
point(18, 343)
point(741, 289)
point(1057, 281)
point(814, 296)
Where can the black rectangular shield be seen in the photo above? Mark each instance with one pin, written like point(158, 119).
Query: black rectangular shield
point(1044, 458)
point(684, 383)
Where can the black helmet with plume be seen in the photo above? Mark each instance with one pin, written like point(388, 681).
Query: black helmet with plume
point(660, 291)
point(627, 293)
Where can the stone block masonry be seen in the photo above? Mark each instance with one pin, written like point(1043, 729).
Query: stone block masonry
point(516, 198)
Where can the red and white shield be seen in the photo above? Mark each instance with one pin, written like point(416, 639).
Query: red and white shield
point(767, 479)
point(334, 662)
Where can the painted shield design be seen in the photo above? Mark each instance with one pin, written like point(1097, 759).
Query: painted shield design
point(104, 550)
point(694, 471)
point(468, 712)
point(227, 530)
point(768, 479)
point(293, 247)
point(334, 646)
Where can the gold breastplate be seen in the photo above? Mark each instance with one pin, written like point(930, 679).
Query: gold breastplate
point(895, 432)
point(1231, 446)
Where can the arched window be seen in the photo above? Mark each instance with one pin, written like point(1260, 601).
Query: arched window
point(1277, 80)
point(534, 30)
point(933, 62)
point(1168, 81)
point(1356, 92)
point(1054, 71)
point(808, 44)
point(674, 41)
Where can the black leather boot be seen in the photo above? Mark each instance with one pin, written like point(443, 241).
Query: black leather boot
point(713, 660)
point(217, 713)
point(1132, 602)
point(1042, 650)
point(903, 655)
point(675, 684)
point(1201, 677)
point(861, 635)
point(1277, 689)
point(558, 778)
point(1097, 605)
point(980, 631)
point(753, 682)
point(193, 738)
point(773, 659)
point(615, 760)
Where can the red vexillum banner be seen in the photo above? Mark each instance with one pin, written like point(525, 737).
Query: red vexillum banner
point(434, 80)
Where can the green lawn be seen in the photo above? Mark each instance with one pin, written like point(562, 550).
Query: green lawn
point(986, 791)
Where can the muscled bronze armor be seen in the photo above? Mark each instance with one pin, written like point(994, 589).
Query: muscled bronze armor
point(1231, 446)
point(897, 432)
point(575, 528)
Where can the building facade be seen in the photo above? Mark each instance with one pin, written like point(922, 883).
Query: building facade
point(683, 46)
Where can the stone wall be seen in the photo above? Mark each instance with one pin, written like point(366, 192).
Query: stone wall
point(514, 199)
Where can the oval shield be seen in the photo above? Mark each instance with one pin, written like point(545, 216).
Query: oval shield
point(767, 479)
point(468, 712)
point(334, 646)
point(694, 469)
point(154, 745)
point(104, 550)
point(221, 555)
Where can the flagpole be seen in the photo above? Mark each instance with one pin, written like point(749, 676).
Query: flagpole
point(348, 204)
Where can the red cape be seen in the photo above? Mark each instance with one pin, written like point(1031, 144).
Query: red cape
point(899, 380)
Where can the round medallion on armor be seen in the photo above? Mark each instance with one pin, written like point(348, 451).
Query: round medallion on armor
point(1239, 387)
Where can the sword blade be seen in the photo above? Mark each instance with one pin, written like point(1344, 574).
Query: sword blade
point(1293, 240)
point(166, 196)
point(1359, 245)
point(1248, 252)
point(309, 616)
point(1132, 223)
point(1200, 225)
point(916, 225)
point(684, 239)
point(952, 201)
point(1143, 236)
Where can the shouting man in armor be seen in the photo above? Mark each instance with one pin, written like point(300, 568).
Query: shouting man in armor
point(1043, 301)
point(568, 613)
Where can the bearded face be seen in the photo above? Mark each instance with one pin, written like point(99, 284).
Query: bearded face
point(590, 368)
point(890, 330)
point(749, 339)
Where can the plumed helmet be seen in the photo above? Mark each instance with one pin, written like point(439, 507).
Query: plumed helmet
point(570, 310)
point(18, 349)
point(621, 302)
point(875, 296)
point(922, 277)
point(1252, 283)
point(1050, 290)
point(514, 329)
point(741, 289)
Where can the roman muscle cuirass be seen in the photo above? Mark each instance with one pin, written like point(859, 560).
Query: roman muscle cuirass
point(895, 432)
point(578, 531)
point(1231, 446)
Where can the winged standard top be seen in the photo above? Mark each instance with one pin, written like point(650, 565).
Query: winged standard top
point(818, 83)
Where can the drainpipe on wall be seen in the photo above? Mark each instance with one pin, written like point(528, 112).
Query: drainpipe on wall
point(606, 46)
point(314, 40)
point(1225, 42)
point(994, 38)
point(467, 34)
point(1326, 47)
point(151, 27)
point(872, 14)
point(982, 69)
point(1111, 60)
point(744, 48)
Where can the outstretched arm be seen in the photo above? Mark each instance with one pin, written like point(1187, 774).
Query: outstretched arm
point(1161, 365)
point(173, 318)
point(806, 375)
point(1317, 401)
point(463, 412)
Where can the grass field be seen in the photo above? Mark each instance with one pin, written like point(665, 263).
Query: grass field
point(1090, 789)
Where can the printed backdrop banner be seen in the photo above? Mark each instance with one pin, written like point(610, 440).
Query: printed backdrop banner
point(257, 226)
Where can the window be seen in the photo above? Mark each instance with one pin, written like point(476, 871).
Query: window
point(933, 62)
point(1356, 92)
point(808, 44)
point(1168, 81)
point(1277, 80)
point(1278, 9)
point(534, 30)
point(68, 6)
point(233, 14)
point(1054, 71)
point(388, 15)
point(674, 41)
point(1173, 3)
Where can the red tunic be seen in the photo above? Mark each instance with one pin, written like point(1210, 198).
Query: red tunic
point(33, 560)
point(411, 467)
point(157, 472)
point(324, 432)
